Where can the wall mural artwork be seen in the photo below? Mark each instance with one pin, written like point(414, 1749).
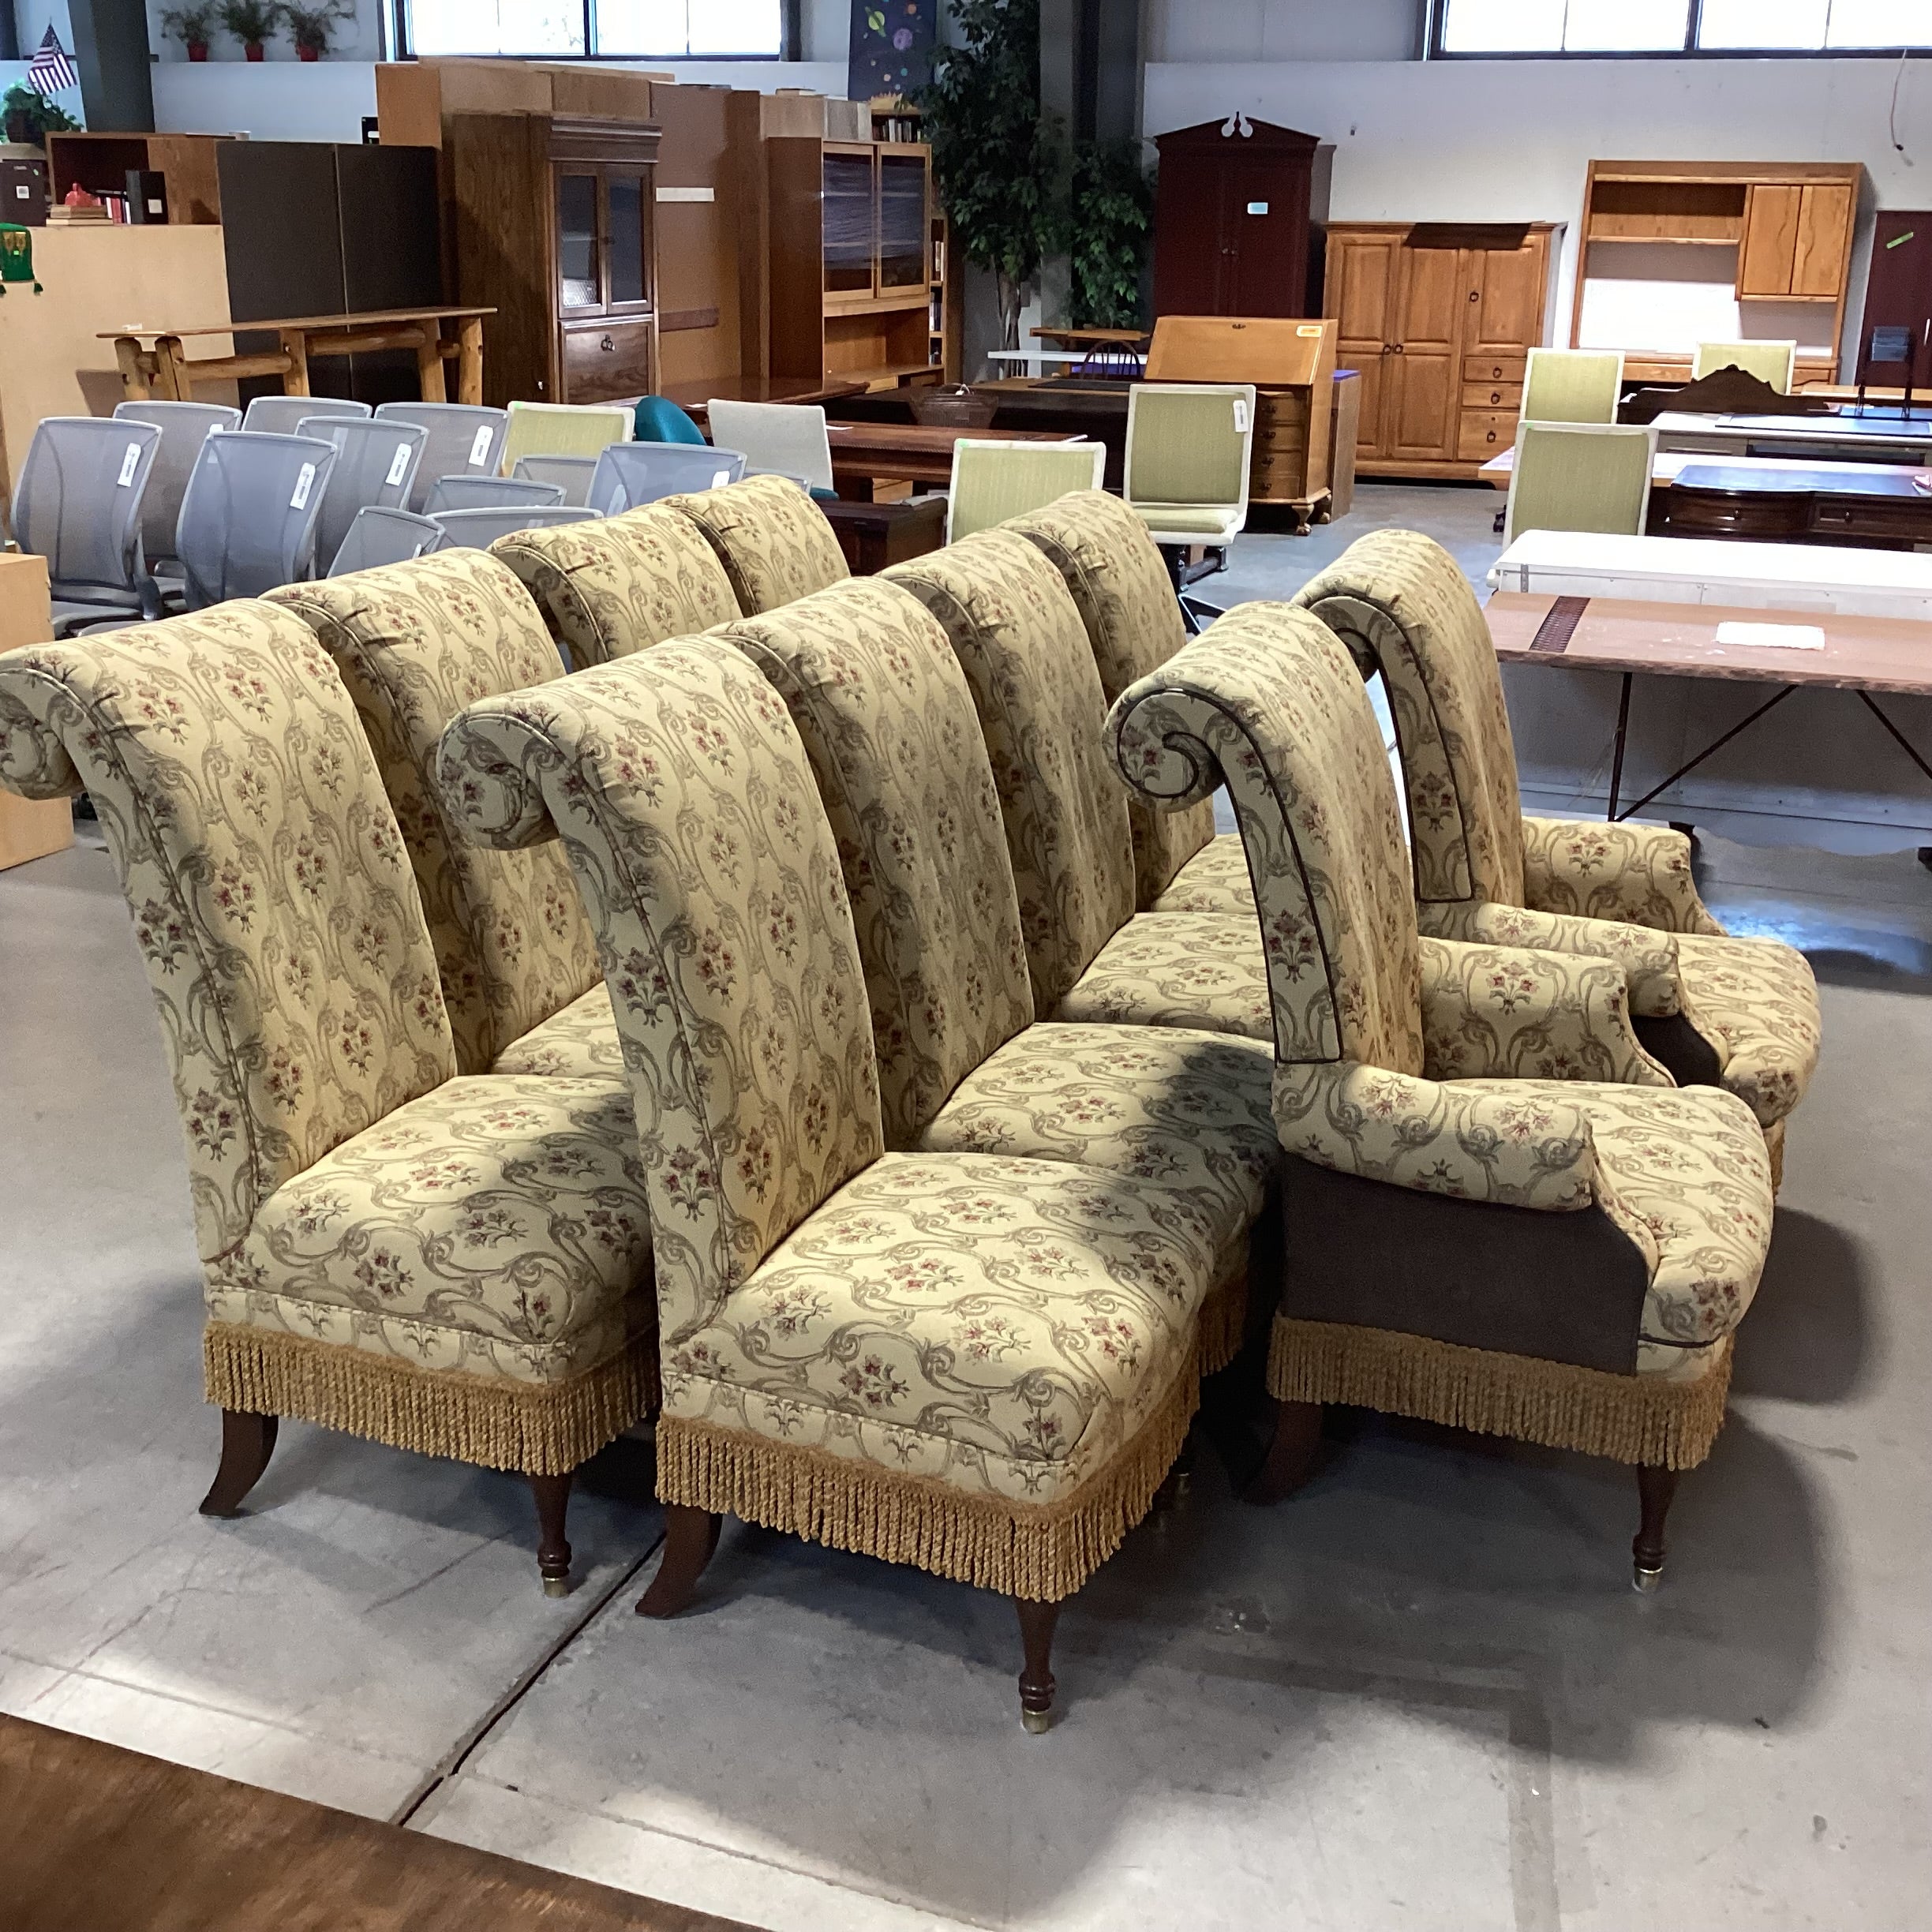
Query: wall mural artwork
point(891, 46)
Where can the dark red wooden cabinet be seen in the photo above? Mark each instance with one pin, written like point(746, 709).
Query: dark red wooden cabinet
point(1236, 212)
point(1898, 292)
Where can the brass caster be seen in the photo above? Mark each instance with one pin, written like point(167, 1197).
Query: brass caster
point(556, 1585)
point(1038, 1722)
point(1647, 1581)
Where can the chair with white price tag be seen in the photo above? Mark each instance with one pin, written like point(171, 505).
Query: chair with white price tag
point(79, 505)
point(248, 516)
point(375, 466)
point(630, 475)
point(464, 440)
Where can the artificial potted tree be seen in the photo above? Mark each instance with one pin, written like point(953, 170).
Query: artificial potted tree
point(251, 22)
point(29, 118)
point(193, 26)
point(310, 27)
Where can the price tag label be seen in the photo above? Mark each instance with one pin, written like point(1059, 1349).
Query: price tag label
point(130, 463)
point(399, 466)
point(1257, 207)
point(304, 482)
point(479, 449)
point(1240, 415)
point(720, 478)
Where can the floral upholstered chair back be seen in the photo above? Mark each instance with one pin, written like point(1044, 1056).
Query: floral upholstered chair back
point(1402, 603)
point(1017, 634)
point(773, 539)
point(1112, 567)
point(415, 643)
point(619, 584)
point(888, 724)
point(684, 798)
point(1293, 731)
point(273, 902)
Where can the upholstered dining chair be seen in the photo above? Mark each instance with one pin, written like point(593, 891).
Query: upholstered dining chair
point(1772, 362)
point(1571, 476)
point(456, 1265)
point(992, 482)
point(981, 1366)
point(1572, 385)
point(774, 542)
point(1499, 1212)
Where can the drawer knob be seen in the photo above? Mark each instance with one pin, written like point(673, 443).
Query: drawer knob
point(608, 347)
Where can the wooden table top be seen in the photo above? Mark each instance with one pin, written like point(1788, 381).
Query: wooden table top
point(693, 396)
point(1680, 640)
point(1092, 335)
point(924, 439)
point(362, 319)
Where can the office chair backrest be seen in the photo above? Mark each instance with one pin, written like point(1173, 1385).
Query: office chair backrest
point(657, 419)
point(375, 466)
point(992, 482)
point(477, 530)
point(571, 475)
point(184, 427)
point(1572, 385)
point(1773, 362)
point(563, 430)
point(284, 415)
point(492, 492)
point(630, 475)
point(80, 498)
point(248, 516)
point(465, 439)
point(1188, 443)
point(1581, 477)
point(377, 537)
point(788, 439)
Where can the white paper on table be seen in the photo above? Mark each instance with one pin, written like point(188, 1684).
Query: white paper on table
point(1771, 636)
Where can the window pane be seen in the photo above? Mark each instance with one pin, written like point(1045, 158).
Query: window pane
point(1763, 24)
point(496, 26)
point(659, 28)
point(652, 27)
point(1880, 23)
point(1503, 27)
point(1626, 26)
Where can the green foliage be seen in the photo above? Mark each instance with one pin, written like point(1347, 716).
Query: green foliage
point(251, 21)
point(193, 25)
point(312, 26)
point(35, 112)
point(1108, 227)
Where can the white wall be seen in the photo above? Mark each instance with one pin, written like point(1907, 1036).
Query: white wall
point(1467, 141)
point(272, 100)
point(1281, 30)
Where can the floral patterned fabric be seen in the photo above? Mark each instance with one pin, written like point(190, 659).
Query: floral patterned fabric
point(1639, 873)
point(1759, 998)
point(621, 583)
point(578, 1043)
point(415, 642)
point(773, 539)
point(1019, 638)
point(495, 1226)
point(1215, 880)
point(1649, 959)
point(272, 898)
point(1177, 969)
point(1113, 566)
point(1005, 1326)
point(882, 708)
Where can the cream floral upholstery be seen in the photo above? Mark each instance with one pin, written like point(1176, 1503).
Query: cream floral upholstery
point(1113, 568)
point(1215, 880)
point(376, 1234)
point(773, 539)
point(980, 1366)
point(1019, 638)
point(1402, 606)
point(618, 584)
point(1367, 1013)
point(415, 643)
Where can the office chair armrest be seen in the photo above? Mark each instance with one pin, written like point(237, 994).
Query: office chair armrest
point(153, 607)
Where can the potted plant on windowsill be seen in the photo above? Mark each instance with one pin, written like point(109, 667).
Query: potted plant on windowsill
point(29, 118)
point(251, 22)
point(193, 26)
point(311, 27)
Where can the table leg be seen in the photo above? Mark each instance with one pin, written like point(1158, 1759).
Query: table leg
point(469, 360)
point(429, 363)
point(295, 346)
point(134, 373)
point(1616, 758)
point(171, 377)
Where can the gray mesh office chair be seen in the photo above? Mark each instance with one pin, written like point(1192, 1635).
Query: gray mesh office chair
point(571, 475)
point(481, 493)
point(248, 519)
point(631, 474)
point(184, 427)
point(465, 439)
point(78, 504)
point(477, 530)
point(376, 463)
point(378, 536)
point(284, 415)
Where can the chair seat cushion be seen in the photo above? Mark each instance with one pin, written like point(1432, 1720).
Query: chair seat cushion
point(1202, 970)
point(1188, 520)
point(1760, 999)
point(1215, 880)
point(1189, 1109)
point(496, 1225)
point(578, 1043)
point(1004, 1328)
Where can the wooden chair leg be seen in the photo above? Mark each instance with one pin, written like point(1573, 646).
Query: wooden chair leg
point(1656, 1488)
point(1037, 1621)
point(1290, 1459)
point(690, 1536)
point(554, 1549)
point(247, 1441)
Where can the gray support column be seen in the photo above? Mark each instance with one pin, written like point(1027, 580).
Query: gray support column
point(111, 51)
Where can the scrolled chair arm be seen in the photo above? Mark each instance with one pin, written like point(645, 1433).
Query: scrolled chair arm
point(1648, 957)
point(33, 761)
point(1513, 1012)
point(1638, 873)
point(491, 763)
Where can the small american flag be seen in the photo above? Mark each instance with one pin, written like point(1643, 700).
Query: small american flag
point(51, 70)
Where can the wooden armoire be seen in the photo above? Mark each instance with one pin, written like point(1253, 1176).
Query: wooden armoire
point(1438, 319)
point(1236, 215)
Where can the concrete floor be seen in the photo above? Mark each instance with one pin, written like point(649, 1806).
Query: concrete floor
point(1420, 1695)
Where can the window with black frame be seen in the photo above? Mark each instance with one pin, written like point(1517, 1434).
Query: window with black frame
point(1493, 28)
point(613, 29)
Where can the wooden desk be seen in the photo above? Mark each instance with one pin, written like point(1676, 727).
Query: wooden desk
point(875, 536)
point(29, 828)
point(692, 397)
point(165, 371)
point(863, 454)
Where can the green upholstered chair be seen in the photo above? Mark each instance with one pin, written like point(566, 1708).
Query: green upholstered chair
point(1572, 385)
point(1580, 476)
point(1773, 362)
point(1190, 447)
point(992, 482)
point(563, 430)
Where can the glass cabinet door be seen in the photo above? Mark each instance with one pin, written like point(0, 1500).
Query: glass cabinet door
point(849, 239)
point(902, 222)
point(628, 201)
point(579, 270)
